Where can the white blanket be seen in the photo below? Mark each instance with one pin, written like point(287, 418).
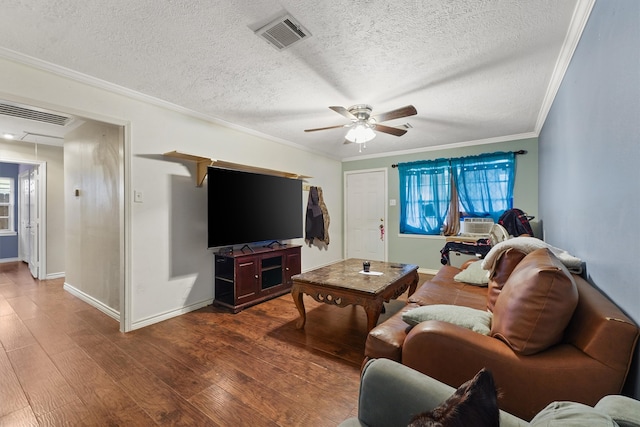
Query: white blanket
point(526, 245)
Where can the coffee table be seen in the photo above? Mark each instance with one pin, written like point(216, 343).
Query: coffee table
point(343, 283)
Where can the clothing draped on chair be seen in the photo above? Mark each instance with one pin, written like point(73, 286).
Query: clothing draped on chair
point(516, 222)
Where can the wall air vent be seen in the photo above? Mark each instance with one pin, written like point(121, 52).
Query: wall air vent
point(36, 114)
point(283, 32)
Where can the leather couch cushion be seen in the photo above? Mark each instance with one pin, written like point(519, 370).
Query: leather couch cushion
point(503, 268)
point(443, 289)
point(535, 304)
point(385, 340)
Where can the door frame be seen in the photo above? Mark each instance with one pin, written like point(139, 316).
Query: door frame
point(386, 206)
point(42, 207)
point(125, 194)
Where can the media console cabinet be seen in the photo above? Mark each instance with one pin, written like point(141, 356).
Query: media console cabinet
point(246, 278)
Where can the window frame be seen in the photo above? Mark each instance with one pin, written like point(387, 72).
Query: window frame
point(11, 228)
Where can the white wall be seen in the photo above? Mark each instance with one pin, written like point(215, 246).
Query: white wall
point(168, 268)
point(93, 216)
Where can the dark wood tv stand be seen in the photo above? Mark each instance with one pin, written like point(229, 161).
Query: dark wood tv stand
point(242, 279)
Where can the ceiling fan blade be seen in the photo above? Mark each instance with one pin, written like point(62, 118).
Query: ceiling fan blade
point(390, 130)
point(409, 110)
point(328, 127)
point(343, 111)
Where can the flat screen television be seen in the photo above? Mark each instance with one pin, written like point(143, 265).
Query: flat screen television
point(246, 208)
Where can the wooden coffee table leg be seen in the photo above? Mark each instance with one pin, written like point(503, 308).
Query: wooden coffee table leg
point(297, 299)
point(373, 310)
point(414, 282)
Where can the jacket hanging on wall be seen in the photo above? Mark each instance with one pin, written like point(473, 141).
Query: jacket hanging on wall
point(317, 220)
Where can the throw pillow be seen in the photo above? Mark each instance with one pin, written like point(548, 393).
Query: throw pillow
point(477, 320)
point(473, 274)
point(571, 414)
point(474, 403)
point(536, 304)
point(501, 272)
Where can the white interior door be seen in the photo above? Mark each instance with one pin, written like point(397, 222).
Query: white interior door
point(366, 214)
point(24, 246)
point(34, 223)
point(28, 212)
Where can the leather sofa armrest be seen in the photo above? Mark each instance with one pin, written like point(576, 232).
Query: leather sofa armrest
point(624, 410)
point(451, 353)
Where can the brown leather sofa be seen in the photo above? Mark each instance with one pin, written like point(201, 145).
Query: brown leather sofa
point(581, 362)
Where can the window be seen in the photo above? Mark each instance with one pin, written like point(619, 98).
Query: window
point(6, 205)
point(424, 196)
point(485, 184)
point(434, 192)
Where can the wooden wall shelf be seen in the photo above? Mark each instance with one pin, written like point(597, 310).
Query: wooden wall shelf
point(203, 162)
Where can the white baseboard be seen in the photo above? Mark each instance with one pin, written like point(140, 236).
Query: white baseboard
point(48, 276)
point(169, 314)
point(141, 323)
point(92, 301)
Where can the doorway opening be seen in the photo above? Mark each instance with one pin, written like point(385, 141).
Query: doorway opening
point(71, 165)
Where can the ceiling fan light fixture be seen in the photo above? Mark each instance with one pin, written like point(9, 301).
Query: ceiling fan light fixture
point(362, 126)
point(360, 133)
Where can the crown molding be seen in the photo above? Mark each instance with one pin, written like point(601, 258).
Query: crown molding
point(76, 76)
point(576, 27)
point(495, 140)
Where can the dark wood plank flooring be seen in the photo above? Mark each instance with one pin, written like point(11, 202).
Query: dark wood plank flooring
point(66, 363)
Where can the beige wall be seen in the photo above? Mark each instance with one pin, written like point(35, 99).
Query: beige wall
point(168, 269)
point(93, 155)
point(21, 152)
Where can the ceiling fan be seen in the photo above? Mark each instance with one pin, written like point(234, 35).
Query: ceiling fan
point(363, 124)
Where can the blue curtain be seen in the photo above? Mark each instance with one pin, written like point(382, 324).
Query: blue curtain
point(424, 195)
point(485, 183)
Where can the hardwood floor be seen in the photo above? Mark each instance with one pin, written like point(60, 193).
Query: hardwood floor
point(66, 363)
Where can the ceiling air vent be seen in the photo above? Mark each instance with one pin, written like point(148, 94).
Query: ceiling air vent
point(283, 32)
point(36, 114)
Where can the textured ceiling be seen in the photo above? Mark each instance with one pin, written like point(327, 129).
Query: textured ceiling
point(474, 69)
